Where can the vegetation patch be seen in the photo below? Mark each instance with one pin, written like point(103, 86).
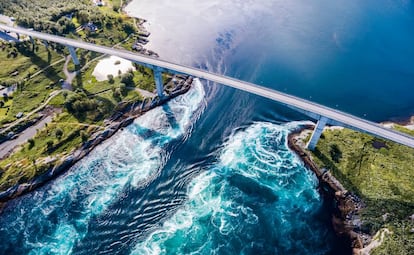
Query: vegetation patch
point(381, 173)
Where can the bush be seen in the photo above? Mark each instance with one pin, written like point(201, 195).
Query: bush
point(335, 153)
point(59, 133)
point(116, 94)
point(49, 145)
point(123, 89)
point(115, 7)
point(110, 78)
point(84, 136)
point(31, 143)
point(128, 79)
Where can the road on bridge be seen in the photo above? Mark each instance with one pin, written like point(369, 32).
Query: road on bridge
point(305, 105)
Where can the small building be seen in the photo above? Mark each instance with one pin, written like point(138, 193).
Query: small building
point(90, 27)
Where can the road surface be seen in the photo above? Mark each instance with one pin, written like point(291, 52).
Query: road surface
point(305, 105)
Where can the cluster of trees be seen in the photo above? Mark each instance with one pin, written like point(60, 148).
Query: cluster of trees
point(56, 16)
point(83, 107)
point(79, 103)
point(45, 15)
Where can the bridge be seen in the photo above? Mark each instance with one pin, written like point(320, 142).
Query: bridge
point(322, 114)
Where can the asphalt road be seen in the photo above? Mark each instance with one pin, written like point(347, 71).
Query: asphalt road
point(28, 133)
point(305, 105)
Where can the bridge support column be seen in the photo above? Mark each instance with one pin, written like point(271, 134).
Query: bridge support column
point(18, 36)
point(317, 132)
point(73, 55)
point(32, 40)
point(158, 82)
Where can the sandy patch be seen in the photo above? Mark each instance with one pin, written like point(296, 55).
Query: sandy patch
point(108, 66)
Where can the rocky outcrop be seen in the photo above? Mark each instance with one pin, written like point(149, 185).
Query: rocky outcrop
point(124, 117)
point(345, 218)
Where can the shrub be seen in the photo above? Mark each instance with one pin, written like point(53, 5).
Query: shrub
point(84, 136)
point(115, 7)
point(59, 133)
point(110, 78)
point(31, 143)
point(123, 89)
point(49, 145)
point(128, 79)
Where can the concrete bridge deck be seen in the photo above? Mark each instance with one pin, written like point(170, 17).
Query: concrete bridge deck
point(324, 115)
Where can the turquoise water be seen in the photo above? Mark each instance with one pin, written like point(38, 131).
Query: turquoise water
point(210, 172)
point(257, 198)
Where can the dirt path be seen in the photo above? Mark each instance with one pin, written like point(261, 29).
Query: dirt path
point(51, 96)
point(67, 84)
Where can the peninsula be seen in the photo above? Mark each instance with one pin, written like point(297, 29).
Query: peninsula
point(52, 112)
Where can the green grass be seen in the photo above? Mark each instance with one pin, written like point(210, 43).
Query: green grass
point(24, 63)
point(34, 92)
point(4, 110)
point(27, 161)
point(381, 173)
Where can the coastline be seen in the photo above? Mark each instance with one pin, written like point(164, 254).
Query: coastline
point(121, 118)
point(347, 206)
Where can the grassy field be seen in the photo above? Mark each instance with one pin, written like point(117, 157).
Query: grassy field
point(381, 173)
point(20, 62)
point(83, 109)
point(32, 90)
point(49, 144)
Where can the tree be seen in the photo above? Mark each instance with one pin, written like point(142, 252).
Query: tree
point(83, 17)
point(84, 136)
point(128, 28)
point(31, 143)
point(111, 78)
point(335, 152)
point(117, 94)
point(49, 145)
point(128, 79)
point(123, 89)
point(115, 7)
point(1, 103)
point(59, 133)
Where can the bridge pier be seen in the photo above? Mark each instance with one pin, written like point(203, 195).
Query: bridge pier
point(158, 81)
point(31, 40)
point(73, 55)
point(317, 132)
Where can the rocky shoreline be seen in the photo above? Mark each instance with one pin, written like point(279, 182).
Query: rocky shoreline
point(124, 116)
point(345, 217)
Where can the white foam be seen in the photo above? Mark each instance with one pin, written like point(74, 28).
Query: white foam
point(212, 197)
point(125, 158)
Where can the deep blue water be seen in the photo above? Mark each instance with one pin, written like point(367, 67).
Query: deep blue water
point(210, 172)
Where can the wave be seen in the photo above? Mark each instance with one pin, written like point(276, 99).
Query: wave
point(257, 198)
point(55, 217)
